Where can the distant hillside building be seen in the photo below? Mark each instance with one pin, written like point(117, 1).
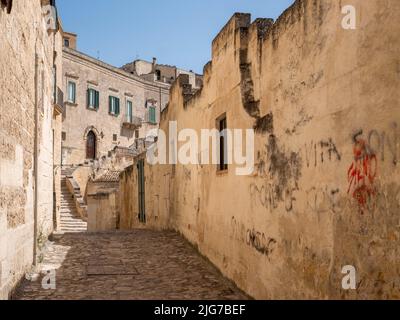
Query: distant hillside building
point(161, 73)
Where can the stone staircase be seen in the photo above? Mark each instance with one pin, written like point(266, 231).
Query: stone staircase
point(70, 222)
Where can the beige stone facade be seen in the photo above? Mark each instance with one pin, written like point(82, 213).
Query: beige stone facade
point(324, 102)
point(110, 130)
point(152, 71)
point(30, 108)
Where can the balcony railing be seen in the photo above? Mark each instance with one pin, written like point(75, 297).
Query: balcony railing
point(132, 122)
point(58, 101)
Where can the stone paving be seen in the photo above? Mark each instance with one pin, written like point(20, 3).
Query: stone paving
point(137, 265)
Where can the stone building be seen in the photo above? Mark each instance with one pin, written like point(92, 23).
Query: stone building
point(153, 71)
point(324, 192)
point(30, 124)
point(105, 107)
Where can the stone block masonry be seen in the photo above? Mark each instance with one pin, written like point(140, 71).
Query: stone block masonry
point(26, 141)
point(111, 130)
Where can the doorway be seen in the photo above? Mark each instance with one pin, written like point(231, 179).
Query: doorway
point(91, 146)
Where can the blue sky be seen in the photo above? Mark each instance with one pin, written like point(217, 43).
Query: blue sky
point(177, 32)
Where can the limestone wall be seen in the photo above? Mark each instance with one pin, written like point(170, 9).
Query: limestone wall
point(26, 85)
point(325, 189)
point(103, 202)
point(78, 119)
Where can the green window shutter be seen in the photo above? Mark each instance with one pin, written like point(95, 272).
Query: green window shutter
point(117, 106)
point(152, 112)
point(74, 92)
point(97, 99)
point(129, 111)
point(88, 98)
point(110, 104)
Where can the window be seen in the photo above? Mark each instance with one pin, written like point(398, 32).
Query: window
point(158, 75)
point(66, 42)
point(129, 113)
point(93, 98)
point(7, 4)
point(115, 137)
point(71, 92)
point(152, 115)
point(63, 136)
point(113, 105)
point(223, 144)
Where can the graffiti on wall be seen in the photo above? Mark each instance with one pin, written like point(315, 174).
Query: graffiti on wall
point(324, 199)
point(362, 173)
point(268, 196)
point(318, 153)
point(383, 143)
point(252, 238)
point(261, 243)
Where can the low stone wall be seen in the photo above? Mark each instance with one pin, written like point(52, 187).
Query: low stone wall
point(75, 190)
point(103, 211)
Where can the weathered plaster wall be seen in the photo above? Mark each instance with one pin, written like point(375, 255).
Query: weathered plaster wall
point(325, 105)
point(57, 127)
point(78, 119)
point(103, 201)
point(26, 85)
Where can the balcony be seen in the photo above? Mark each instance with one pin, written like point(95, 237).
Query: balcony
point(132, 123)
point(58, 101)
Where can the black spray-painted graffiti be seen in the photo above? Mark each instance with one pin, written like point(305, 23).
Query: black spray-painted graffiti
point(252, 238)
point(268, 196)
point(324, 199)
point(384, 144)
point(320, 152)
point(260, 242)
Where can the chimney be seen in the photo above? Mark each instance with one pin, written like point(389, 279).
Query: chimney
point(154, 65)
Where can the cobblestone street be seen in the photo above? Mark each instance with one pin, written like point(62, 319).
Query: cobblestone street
point(122, 266)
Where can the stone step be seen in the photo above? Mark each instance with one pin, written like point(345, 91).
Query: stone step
point(67, 226)
point(74, 223)
point(71, 220)
point(74, 230)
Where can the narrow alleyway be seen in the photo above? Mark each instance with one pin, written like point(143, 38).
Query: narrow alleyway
point(136, 265)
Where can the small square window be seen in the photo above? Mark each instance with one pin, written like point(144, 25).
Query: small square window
point(64, 136)
point(66, 42)
point(115, 138)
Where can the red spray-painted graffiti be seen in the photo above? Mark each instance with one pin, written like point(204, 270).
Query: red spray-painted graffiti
point(362, 174)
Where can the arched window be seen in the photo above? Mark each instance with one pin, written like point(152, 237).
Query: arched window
point(91, 146)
